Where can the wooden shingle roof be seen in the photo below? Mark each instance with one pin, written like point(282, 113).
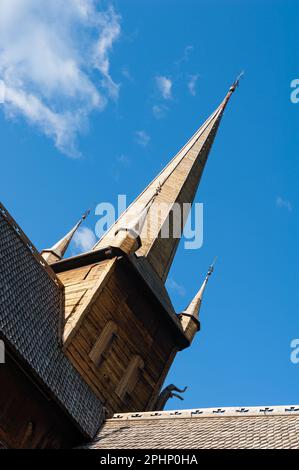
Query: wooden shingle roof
point(226, 428)
point(31, 300)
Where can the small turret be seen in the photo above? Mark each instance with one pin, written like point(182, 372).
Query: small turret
point(128, 238)
point(57, 252)
point(190, 316)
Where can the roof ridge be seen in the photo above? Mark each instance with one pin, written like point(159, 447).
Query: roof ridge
point(209, 412)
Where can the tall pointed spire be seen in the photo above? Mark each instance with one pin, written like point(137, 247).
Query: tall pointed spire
point(179, 182)
point(56, 253)
point(190, 316)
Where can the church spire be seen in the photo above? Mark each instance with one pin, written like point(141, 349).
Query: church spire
point(56, 253)
point(179, 181)
point(190, 316)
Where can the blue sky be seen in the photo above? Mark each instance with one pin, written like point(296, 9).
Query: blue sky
point(134, 96)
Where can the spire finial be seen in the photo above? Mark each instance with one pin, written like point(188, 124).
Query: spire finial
point(237, 81)
point(56, 253)
point(212, 267)
point(86, 214)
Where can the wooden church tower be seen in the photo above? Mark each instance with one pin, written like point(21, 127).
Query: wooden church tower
point(120, 330)
point(96, 334)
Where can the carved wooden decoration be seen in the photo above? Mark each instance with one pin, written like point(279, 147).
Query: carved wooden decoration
point(130, 378)
point(103, 345)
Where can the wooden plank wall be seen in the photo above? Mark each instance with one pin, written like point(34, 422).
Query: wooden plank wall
point(141, 331)
point(79, 285)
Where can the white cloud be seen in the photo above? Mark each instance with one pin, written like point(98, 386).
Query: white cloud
point(192, 84)
point(54, 63)
point(284, 204)
point(159, 111)
point(142, 138)
point(179, 289)
point(110, 31)
point(164, 85)
point(2, 92)
point(84, 239)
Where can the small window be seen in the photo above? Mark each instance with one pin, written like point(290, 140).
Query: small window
point(103, 345)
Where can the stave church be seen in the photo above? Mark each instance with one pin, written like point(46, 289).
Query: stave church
point(90, 339)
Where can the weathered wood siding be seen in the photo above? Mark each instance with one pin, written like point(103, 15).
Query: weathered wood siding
point(142, 332)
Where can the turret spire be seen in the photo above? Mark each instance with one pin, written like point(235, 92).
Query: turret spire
point(56, 253)
point(190, 316)
point(127, 238)
point(178, 185)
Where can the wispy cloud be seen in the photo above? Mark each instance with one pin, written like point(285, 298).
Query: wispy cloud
point(186, 55)
point(55, 65)
point(192, 84)
point(121, 163)
point(108, 24)
point(127, 74)
point(173, 285)
point(284, 204)
point(84, 239)
point(164, 86)
point(159, 111)
point(123, 160)
point(142, 138)
point(2, 92)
